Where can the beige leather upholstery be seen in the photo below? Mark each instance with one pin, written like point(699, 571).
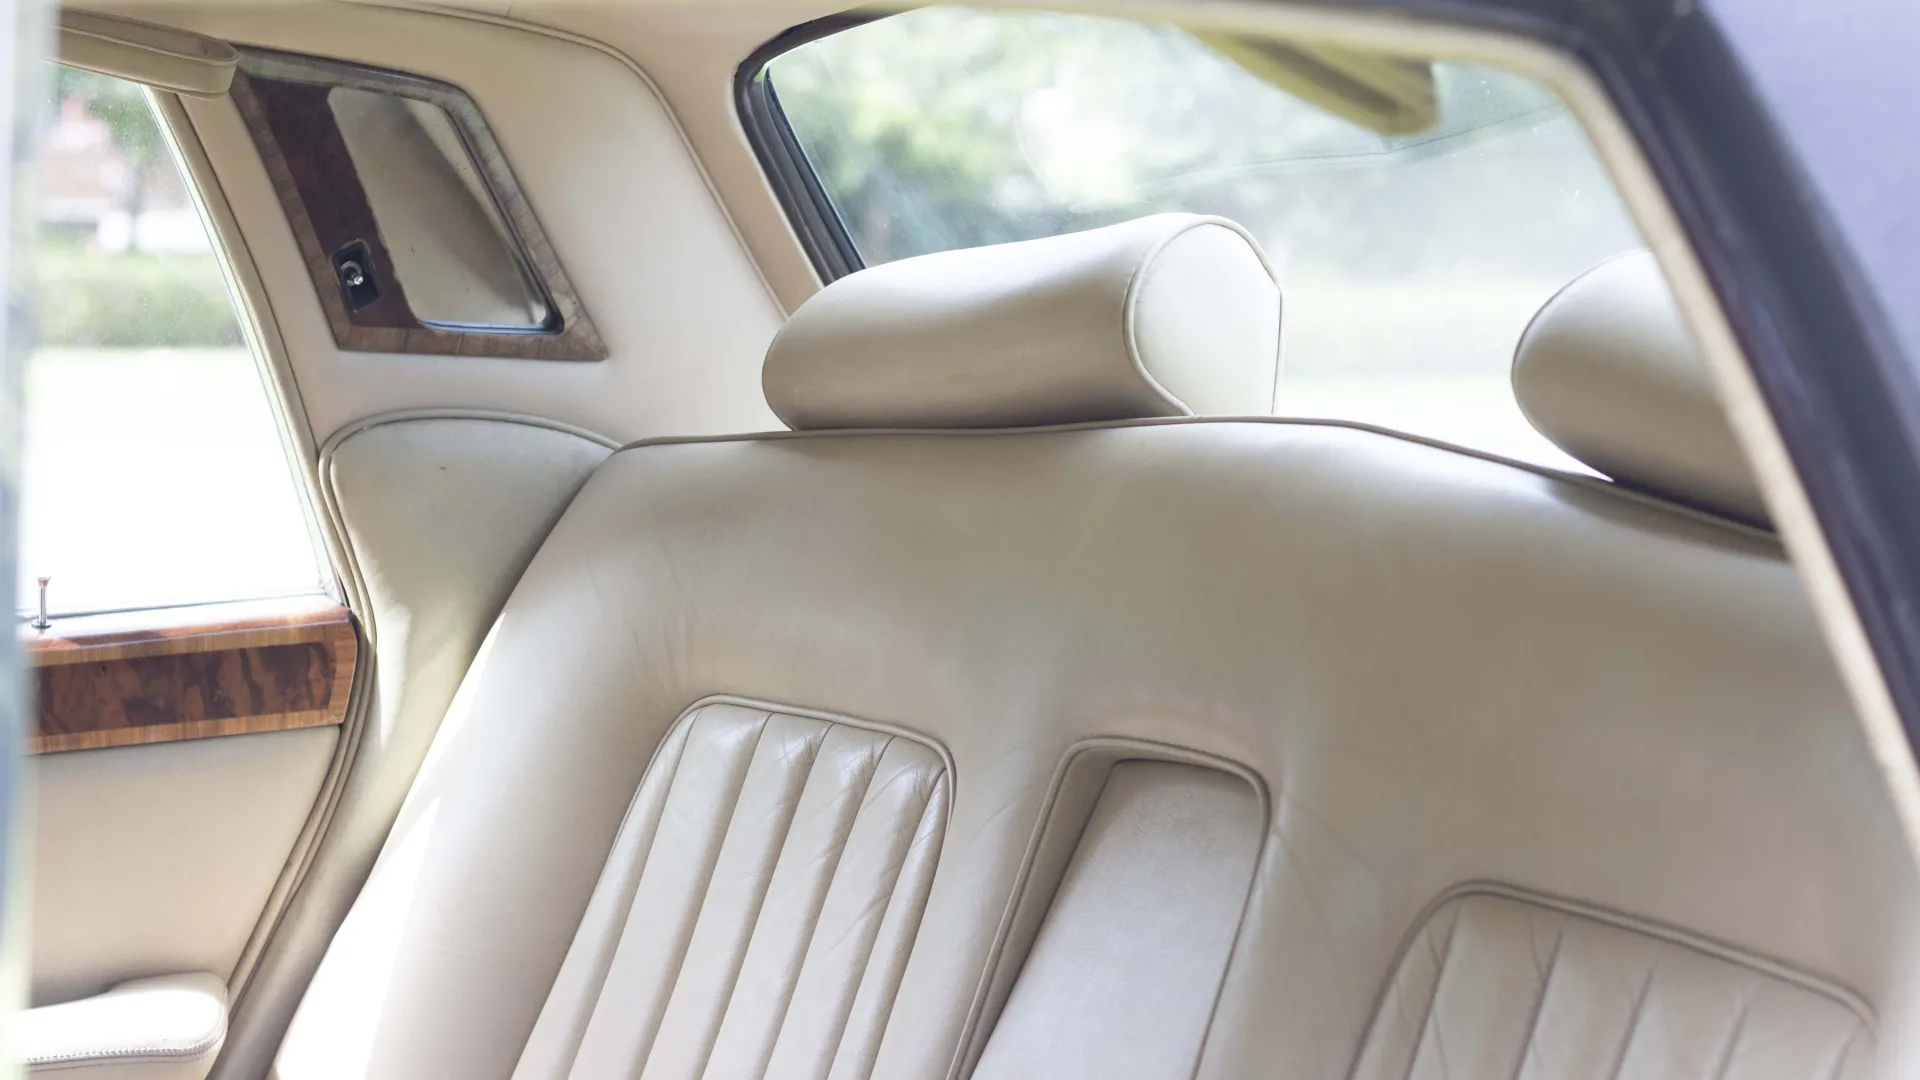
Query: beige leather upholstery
point(165, 1028)
point(1498, 985)
point(757, 911)
point(681, 306)
point(443, 511)
point(1444, 668)
point(1610, 373)
point(1362, 671)
point(1137, 936)
point(1170, 315)
point(153, 860)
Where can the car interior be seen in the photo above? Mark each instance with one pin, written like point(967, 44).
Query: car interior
point(1239, 521)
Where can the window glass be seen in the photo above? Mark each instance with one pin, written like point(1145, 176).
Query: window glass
point(1410, 263)
point(153, 473)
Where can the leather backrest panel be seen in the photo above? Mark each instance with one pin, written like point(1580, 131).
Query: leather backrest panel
point(1441, 669)
point(1497, 985)
point(756, 912)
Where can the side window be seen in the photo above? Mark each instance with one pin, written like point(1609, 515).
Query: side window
point(153, 475)
point(1417, 215)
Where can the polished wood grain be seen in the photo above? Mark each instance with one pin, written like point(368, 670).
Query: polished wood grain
point(313, 175)
point(313, 159)
point(190, 673)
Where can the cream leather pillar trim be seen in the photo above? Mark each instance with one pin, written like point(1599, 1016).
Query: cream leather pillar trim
point(442, 509)
point(164, 1028)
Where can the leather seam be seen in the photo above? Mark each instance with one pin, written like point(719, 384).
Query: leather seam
point(759, 905)
point(809, 713)
point(129, 1054)
point(645, 1051)
point(1669, 934)
point(1540, 1007)
point(1733, 1037)
point(1660, 933)
point(813, 922)
point(1633, 1020)
point(1143, 272)
point(893, 891)
point(1596, 484)
point(1840, 1057)
point(934, 804)
point(1439, 976)
point(625, 904)
point(853, 997)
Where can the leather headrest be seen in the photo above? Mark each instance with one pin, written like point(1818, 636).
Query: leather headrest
point(1171, 315)
point(1609, 372)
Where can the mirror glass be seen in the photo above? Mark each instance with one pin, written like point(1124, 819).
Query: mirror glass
point(451, 249)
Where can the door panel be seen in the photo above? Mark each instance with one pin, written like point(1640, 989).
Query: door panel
point(184, 730)
point(157, 859)
point(157, 839)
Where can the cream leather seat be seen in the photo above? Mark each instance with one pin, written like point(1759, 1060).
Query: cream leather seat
point(909, 744)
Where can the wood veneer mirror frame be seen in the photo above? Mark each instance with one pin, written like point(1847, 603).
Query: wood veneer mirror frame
point(283, 99)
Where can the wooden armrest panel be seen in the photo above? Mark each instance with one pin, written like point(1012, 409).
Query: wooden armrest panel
point(190, 673)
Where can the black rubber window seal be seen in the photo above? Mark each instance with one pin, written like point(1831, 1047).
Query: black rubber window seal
point(815, 220)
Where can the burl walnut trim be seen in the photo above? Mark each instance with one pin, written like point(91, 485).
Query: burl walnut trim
point(190, 673)
point(281, 98)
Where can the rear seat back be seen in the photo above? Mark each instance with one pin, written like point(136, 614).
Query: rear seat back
point(1130, 748)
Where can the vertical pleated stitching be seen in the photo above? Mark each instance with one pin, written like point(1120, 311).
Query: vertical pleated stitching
point(1495, 985)
point(859, 1044)
point(766, 856)
point(736, 889)
point(671, 889)
point(840, 950)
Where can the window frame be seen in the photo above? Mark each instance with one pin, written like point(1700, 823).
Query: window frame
point(796, 184)
point(569, 335)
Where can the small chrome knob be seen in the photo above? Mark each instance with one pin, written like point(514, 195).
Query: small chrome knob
point(41, 622)
point(352, 275)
